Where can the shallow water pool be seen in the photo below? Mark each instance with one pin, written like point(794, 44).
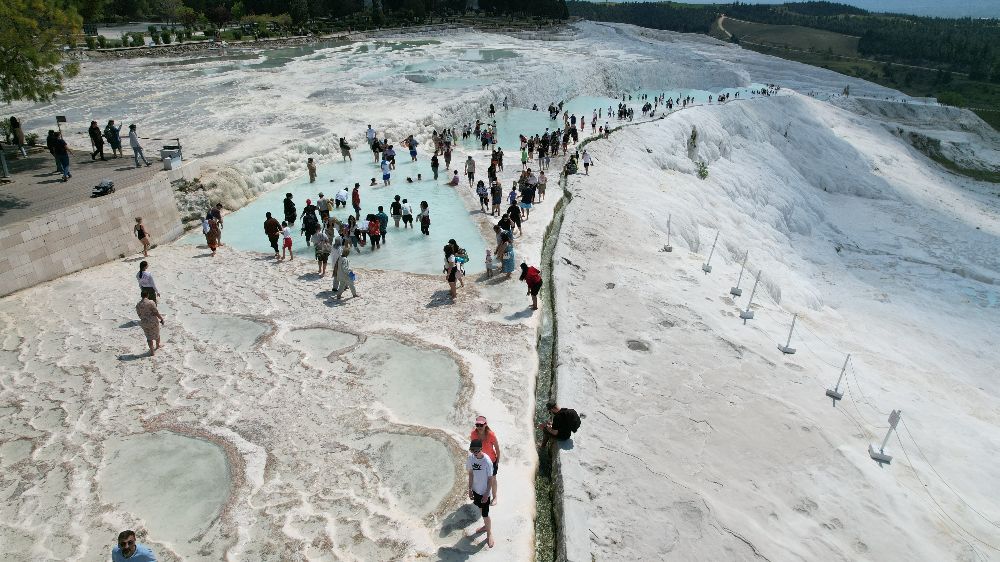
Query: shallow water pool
point(405, 249)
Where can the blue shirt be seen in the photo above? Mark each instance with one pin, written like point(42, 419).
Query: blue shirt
point(142, 554)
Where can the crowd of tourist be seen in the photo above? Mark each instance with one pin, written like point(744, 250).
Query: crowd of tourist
point(368, 225)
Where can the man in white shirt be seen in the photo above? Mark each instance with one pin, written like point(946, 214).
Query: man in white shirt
point(370, 135)
point(133, 141)
point(482, 486)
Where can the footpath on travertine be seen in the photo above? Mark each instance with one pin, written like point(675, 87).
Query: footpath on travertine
point(38, 189)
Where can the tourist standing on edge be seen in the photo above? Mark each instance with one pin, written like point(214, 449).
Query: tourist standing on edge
point(216, 213)
point(586, 162)
point(356, 200)
point(272, 228)
point(97, 139)
point(114, 137)
point(451, 270)
point(142, 235)
point(482, 486)
point(133, 141)
point(533, 278)
point(565, 422)
point(150, 321)
point(131, 551)
point(147, 287)
point(214, 235)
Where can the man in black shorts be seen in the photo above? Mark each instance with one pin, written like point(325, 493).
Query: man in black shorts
point(482, 486)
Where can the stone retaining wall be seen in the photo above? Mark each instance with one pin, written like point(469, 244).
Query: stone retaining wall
point(89, 233)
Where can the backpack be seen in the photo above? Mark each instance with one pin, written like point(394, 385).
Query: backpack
point(574, 419)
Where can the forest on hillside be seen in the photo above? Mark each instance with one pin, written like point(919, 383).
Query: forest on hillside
point(970, 46)
point(219, 12)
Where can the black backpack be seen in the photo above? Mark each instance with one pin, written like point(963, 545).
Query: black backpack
point(574, 419)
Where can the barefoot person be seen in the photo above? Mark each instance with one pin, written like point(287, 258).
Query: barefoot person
point(286, 243)
point(482, 486)
point(130, 550)
point(142, 235)
point(150, 321)
point(343, 276)
point(272, 228)
point(533, 277)
point(491, 446)
point(147, 287)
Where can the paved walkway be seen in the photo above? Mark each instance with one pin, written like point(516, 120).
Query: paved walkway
point(38, 189)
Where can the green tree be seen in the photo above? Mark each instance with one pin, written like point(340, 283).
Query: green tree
point(298, 10)
point(32, 34)
point(187, 16)
point(237, 10)
point(169, 9)
point(951, 98)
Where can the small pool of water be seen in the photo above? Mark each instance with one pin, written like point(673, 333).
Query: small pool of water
point(419, 386)
point(418, 470)
point(176, 485)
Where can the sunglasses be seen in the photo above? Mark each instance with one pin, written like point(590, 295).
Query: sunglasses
point(474, 451)
point(480, 424)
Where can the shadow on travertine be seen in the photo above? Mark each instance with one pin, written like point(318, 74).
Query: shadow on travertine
point(466, 546)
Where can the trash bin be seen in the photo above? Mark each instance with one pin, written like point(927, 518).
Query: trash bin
point(171, 156)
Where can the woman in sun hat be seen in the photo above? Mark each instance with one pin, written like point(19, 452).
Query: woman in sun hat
point(491, 446)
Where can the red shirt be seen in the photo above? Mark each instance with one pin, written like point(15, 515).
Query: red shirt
point(490, 445)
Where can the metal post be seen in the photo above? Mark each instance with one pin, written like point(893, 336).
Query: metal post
point(785, 348)
point(668, 247)
point(705, 266)
point(736, 291)
point(748, 314)
point(836, 394)
point(880, 456)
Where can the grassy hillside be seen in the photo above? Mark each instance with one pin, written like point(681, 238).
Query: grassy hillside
point(791, 37)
